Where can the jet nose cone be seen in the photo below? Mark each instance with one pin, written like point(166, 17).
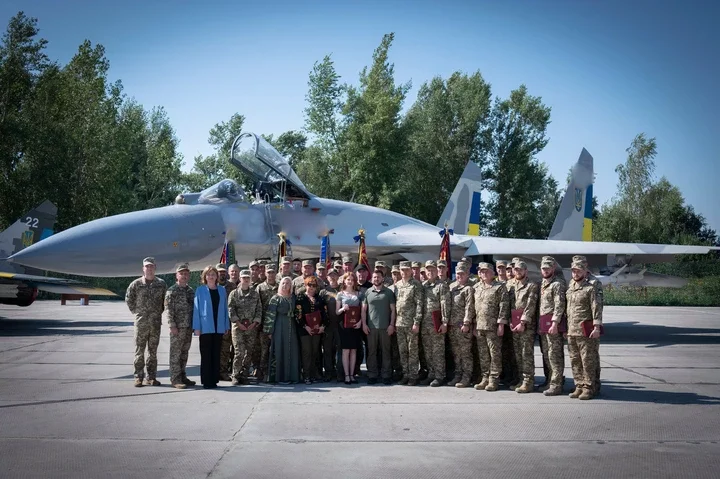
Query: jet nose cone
point(116, 245)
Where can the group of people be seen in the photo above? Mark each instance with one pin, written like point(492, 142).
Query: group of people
point(415, 325)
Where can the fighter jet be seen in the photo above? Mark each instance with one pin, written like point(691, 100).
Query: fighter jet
point(196, 228)
point(19, 286)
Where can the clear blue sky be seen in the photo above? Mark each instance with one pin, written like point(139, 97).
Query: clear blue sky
point(609, 70)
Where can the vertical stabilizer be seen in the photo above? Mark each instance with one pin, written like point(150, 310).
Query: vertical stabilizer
point(462, 213)
point(574, 218)
point(32, 227)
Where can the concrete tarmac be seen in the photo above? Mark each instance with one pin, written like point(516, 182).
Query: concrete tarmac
point(68, 408)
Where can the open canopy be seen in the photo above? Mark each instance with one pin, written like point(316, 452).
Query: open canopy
point(256, 157)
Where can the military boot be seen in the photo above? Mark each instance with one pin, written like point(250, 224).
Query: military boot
point(403, 381)
point(553, 390)
point(188, 382)
point(586, 394)
point(492, 385)
point(138, 382)
point(435, 383)
point(463, 383)
point(526, 387)
point(454, 381)
point(412, 382)
point(482, 384)
point(424, 382)
point(179, 386)
point(514, 386)
point(225, 377)
point(577, 392)
point(152, 382)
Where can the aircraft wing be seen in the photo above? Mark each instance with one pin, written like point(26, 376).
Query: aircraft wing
point(641, 253)
point(56, 285)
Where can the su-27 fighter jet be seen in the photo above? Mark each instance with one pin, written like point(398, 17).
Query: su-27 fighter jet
point(195, 229)
point(19, 286)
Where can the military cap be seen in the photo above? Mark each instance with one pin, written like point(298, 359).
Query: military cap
point(320, 265)
point(296, 259)
point(442, 262)
point(380, 264)
point(245, 273)
point(347, 259)
point(270, 267)
point(500, 263)
point(578, 257)
point(515, 260)
point(308, 262)
point(337, 264)
point(422, 269)
point(395, 268)
point(465, 259)
point(461, 268)
point(548, 258)
point(416, 264)
point(149, 260)
point(361, 267)
point(182, 267)
point(262, 262)
point(547, 264)
point(404, 265)
point(286, 259)
point(253, 263)
point(521, 265)
point(332, 271)
point(430, 264)
point(579, 264)
point(221, 267)
point(483, 266)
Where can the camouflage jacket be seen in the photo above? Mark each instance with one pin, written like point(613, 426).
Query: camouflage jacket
point(410, 302)
point(266, 292)
point(552, 298)
point(524, 295)
point(491, 305)
point(179, 306)
point(462, 310)
point(146, 300)
point(298, 284)
point(229, 287)
point(437, 298)
point(584, 303)
point(245, 306)
point(328, 294)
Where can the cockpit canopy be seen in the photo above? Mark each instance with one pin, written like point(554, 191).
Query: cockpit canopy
point(222, 192)
point(255, 156)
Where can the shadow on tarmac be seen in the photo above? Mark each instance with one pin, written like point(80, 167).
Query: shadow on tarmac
point(655, 336)
point(622, 391)
point(53, 327)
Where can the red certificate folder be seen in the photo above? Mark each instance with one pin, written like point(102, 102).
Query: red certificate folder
point(515, 316)
point(588, 328)
point(314, 320)
point(352, 317)
point(437, 320)
point(546, 321)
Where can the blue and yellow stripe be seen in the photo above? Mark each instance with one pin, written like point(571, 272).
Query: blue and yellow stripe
point(474, 220)
point(587, 216)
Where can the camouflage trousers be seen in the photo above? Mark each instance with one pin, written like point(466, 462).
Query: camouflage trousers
point(408, 346)
point(510, 366)
point(244, 343)
point(553, 355)
point(585, 361)
point(179, 347)
point(263, 343)
point(422, 357)
point(461, 345)
point(434, 345)
point(476, 375)
point(147, 335)
point(524, 347)
point(226, 353)
point(490, 351)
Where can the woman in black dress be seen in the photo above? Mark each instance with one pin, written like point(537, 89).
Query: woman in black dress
point(310, 302)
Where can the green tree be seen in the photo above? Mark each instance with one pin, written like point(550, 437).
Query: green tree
point(518, 184)
point(445, 127)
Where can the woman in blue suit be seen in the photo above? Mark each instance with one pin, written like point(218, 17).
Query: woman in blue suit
point(210, 322)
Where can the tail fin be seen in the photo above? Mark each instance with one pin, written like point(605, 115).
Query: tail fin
point(574, 218)
point(32, 227)
point(462, 213)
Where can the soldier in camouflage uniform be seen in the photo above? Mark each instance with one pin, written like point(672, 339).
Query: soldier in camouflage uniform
point(596, 282)
point(443, 272)
point(387, 278)
point(410, 301)
point(245, 315)
point(462, 313)
point(254, 267)
point(491, 316)
point(397, 365)
point(266, 290)
point(308, 269)
point(524, 296)
point(584, 303)
point(286, 268)
point(510, 371)
point(227, 351)
point(145, 297)
point(552, 301)
point(179, 307)
point(437, 298)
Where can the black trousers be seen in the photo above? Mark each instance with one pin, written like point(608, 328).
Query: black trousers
point(210, 345)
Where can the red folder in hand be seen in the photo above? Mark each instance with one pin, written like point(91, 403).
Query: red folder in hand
point(588, 328)
point(352, 317)
point(314, 321)
point(437, 320)
point(515, 316)
point(546, 321)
